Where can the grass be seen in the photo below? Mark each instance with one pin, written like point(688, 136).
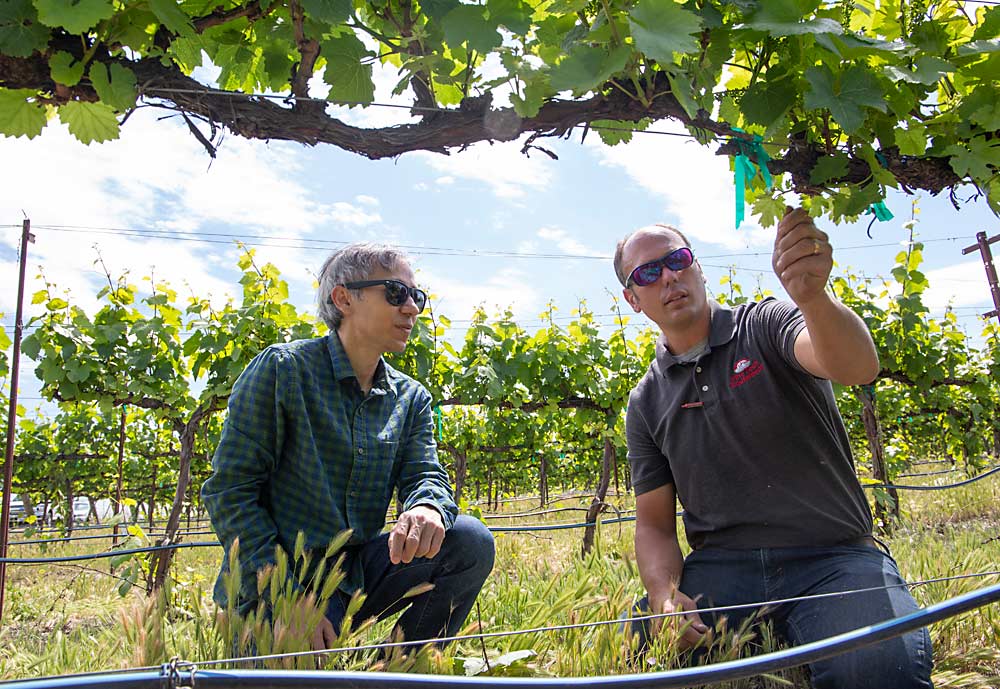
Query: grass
point(68, 619)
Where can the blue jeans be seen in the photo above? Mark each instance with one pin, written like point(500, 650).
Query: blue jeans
point(457, 572)
point(730, 577)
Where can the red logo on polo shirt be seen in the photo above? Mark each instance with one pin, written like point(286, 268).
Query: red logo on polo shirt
point(743, 371)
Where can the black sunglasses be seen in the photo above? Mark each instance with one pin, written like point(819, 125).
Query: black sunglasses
point(648, 273)
point(396, 292)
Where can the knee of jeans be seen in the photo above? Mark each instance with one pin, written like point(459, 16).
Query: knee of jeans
point(894, 664)
point(470, 537)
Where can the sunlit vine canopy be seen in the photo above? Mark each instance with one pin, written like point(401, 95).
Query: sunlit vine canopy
point(848, 97)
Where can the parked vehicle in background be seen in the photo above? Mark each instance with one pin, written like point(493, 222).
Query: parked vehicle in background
point(17, 514)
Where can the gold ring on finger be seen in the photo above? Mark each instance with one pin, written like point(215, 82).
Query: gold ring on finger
point(815, 247)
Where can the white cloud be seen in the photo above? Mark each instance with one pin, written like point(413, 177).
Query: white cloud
point(501, 166)
point(961, 284)
point(348, 214)
point(566, 243)
point(508, 287)
point(366, 200)
point(695, 184)
point(444, 181)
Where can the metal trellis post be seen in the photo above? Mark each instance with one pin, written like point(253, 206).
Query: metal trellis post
point(8, 464)
point(983, 245)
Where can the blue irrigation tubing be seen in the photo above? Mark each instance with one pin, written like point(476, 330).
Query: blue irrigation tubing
point(106, 554)
point(68, 539)
point(978, 477)
point(176, 674)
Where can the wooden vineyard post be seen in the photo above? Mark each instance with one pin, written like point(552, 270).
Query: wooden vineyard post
point(597, 505)
point(869, 416)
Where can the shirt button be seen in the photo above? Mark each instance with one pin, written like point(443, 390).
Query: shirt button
point(704, 388)
point(361, 450)
point(698, 370)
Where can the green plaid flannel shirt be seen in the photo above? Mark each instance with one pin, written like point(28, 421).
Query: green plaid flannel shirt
point(303, 449)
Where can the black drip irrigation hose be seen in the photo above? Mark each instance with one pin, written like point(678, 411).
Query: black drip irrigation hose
point(179, 673)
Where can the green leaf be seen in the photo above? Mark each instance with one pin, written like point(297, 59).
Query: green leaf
point(587, 67)
point(467, 24)
point(662, 27)
point(89, 122)
point(329, 11)
point(172, 16)
point(64, 69)
point(116, 90)
point(19, 116)
point(21, 34)
point(437, 9)
point(765, 102)
point(829, 167)
point(682, 89)
point(76, 16)
point(797, 28)
point(844, 94)
point(913, 140)
point(536, 89)
point(30, 346)
point(928, 70)
point(513, 14)
point(975, 159)
point(349, 80)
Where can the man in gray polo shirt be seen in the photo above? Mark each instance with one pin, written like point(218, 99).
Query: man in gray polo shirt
point(736, 418)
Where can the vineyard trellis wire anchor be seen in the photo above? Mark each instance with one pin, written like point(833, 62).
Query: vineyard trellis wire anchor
point(744, 170)
point(983, 245)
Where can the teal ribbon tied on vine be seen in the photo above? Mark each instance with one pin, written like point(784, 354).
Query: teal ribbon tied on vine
point(744, 169)
point(440, 424)
point(881, 213)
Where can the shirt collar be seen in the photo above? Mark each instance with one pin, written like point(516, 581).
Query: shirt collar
point(721, 329)
point(342, 369)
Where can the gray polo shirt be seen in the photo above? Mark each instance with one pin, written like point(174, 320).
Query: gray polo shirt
point(753, 444)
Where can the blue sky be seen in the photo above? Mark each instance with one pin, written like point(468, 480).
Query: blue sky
point(485, 199)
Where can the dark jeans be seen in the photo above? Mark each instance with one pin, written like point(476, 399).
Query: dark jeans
point(457, 572)
point(730, 577)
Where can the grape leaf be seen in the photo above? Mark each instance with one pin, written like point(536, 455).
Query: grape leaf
point(76, 16)
point(64, 70)
point(172, 16)
point(587, 67)
point(89, 122)
point(350, 81)
point(976, 159)
point(21, 33)
point(765, 102)
point(467, 24)
point(662, 27)
point(329, 11)
point(18, 115)
point(844, 94)
point(829, 167)
point(118, 90)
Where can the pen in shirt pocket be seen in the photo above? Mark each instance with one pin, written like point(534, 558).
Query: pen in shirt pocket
point(692, 405)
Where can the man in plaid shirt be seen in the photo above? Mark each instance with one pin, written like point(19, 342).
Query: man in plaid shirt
point(320, 433)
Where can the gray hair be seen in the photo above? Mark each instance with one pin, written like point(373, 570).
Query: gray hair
point(352, 263)
point(658, 228)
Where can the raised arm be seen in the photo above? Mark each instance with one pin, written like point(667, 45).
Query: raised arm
point(835, 343)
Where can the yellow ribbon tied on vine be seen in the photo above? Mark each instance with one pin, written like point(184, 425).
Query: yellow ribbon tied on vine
point(745, 170)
